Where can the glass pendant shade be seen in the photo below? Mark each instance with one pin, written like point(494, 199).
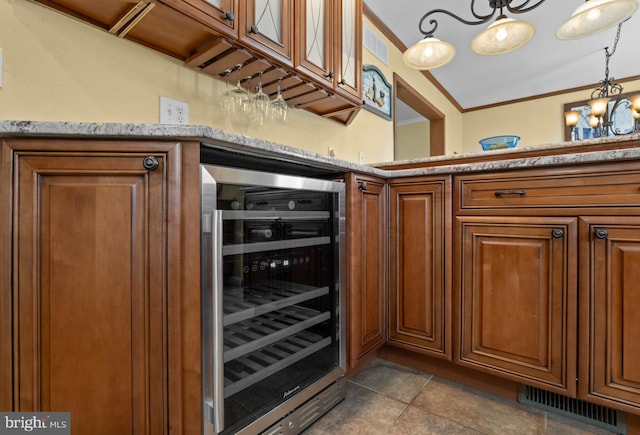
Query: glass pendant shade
point(571, 118)
point(599, 106)
point(594, 16)
point(635, 102)
point(429, 53)
point(593, 121)
point(503, 36)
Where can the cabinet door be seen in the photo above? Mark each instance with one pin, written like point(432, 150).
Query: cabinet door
point(518, 299)
point(315, 39)
point(91, 289)
point(609, 299)
point(268, 27)
point(348, 31)
point(220, 15)
point(420, 307)
point(366, 218)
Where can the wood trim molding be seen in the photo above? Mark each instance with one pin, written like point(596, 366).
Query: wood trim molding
point(415, 100)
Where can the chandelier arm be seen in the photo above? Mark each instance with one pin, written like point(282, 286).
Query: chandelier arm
point(522, 8)
point(494, 4)
point(481, 19)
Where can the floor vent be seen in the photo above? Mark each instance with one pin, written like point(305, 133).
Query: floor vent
point(596, 415)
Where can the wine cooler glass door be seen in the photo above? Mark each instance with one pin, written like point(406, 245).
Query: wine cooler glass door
point(270, 292)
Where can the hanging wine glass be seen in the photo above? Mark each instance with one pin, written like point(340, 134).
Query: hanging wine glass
point(261, 103)
point(279, 106)
point(224, 100)
point(239, 98)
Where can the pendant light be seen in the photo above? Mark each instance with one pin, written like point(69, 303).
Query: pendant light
point(429, 53)
point(594, 16)
point(508, 34)
point(503, 36)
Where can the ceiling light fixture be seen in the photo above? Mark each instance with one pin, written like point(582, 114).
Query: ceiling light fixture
point(603, 109)
point(594, 16)
point(507, 34)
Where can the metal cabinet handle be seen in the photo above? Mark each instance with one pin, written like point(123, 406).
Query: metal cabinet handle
point(363, 186)
point(330, 75)
point(601, 233)
point(500, 193)
point(342, 82)
point(150, 163)
point(557, 233)
point(254, 29)
point(229, 16)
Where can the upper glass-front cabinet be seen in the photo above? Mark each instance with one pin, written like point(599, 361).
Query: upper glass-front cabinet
point(350, 55)
point(329, 48)
point(268, 27)
point(221, 15)
point(315, 55)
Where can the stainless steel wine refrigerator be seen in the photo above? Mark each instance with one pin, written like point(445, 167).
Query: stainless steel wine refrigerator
point(273, 344)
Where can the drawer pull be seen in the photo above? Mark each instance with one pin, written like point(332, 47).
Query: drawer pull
point(363, 185)
point(601, 233)
point(557, 233)
point(501, 193)
point(150, 163)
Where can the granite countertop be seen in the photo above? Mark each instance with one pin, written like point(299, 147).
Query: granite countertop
point(217, 138)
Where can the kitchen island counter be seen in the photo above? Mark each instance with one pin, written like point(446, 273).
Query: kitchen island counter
point(563, 153)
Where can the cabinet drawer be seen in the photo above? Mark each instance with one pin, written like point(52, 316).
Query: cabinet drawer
point(616, 185)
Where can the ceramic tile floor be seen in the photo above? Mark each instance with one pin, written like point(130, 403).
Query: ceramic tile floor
point(385, 398)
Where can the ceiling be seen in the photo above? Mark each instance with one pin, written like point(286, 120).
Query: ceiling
point(542, 66)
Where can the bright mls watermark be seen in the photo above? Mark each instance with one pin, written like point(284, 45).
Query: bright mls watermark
point(41, 423)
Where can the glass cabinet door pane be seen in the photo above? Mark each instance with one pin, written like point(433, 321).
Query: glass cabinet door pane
point(349, 42)
point(268, 19)
point(315, 24)
point(216, 3)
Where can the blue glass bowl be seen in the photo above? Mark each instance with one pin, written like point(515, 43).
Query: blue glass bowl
point(499, 142)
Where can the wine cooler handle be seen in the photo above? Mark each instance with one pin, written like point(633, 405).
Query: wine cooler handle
point(218, 323)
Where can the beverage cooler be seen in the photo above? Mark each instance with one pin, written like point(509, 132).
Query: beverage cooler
point(273, 347)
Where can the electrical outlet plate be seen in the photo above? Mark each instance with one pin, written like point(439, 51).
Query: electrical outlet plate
point(173, 111)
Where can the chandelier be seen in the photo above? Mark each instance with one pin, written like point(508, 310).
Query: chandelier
point(507, 34)
point(604, 103)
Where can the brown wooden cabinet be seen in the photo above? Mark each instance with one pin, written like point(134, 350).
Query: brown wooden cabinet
point(315, 36)
point(517, 299)
point(256, 42)
point(609, 367)
point(219, 15)
point(420, 269)
point(366, 212)
point(329, 35)
point(534, 302)
point(105, 312)
point(348, 49)
point(268, 27)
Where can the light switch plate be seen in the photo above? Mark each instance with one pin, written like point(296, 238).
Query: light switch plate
point(173, 111)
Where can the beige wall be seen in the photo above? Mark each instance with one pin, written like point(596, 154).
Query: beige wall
point(59, 69)
point(537, 122)
point(413, 140)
